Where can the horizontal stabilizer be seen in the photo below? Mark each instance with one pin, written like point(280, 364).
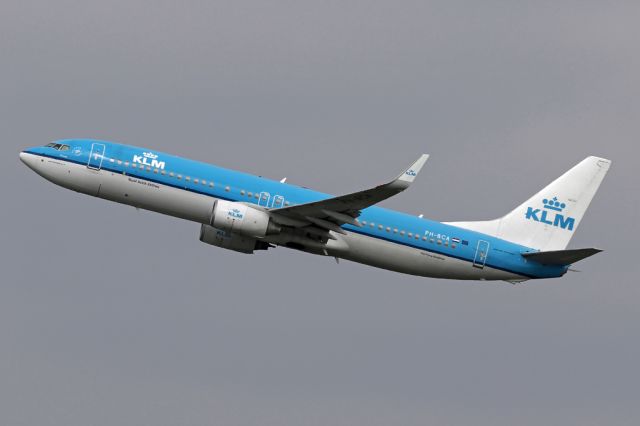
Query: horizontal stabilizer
point(561, 257)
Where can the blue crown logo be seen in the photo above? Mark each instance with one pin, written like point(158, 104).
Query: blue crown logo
point(553, 204)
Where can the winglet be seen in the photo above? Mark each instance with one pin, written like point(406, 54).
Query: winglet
point(410, 174)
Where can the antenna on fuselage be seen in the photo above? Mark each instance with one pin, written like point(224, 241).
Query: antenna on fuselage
point(327, 254)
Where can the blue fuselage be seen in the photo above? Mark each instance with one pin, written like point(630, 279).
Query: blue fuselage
point(151, 167)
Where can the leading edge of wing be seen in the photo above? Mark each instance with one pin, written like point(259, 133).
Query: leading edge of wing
point(343, 208)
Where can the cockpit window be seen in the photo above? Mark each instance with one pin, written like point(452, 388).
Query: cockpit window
point(58, 146)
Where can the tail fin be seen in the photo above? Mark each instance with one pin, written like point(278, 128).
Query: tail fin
point(548, 220)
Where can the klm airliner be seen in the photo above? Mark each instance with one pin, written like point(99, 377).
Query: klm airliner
point(246, 213)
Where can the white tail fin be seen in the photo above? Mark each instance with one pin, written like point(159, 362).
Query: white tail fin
point(548, 220)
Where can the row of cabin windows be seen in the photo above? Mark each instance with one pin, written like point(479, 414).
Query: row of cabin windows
point(186, 178)
point(403, 233)
point(286, 203)
point(62, 147)
point(164, 173)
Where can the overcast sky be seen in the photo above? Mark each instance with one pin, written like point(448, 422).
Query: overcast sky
point(112, 316)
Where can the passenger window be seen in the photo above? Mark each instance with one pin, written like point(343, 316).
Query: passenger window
point(179, 177)
point(119, 162)
point(402, 233)
point(410, 235)
point(126, 164)
point(196, 181)
point(204, 182)
point(227, 188)
point(111, 160)
point(134, 165)
point(148, 168)
point(155, 171)
point(249, 194)
point(210, 184)
point(171, 174)
point(364, 223)
point(163, 173)
point(417, 237)
point(439, 242)
point(388, 229)
point(242, 192)
point(187, 178)
point(395, 230)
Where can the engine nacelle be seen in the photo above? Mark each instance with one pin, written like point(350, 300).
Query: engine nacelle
point(229, 240)
point(242, 219)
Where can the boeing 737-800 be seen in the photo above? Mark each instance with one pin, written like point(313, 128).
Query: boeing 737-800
point(245, 213)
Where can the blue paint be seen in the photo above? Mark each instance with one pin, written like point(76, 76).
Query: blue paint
point(503, 255)
point(554, 207)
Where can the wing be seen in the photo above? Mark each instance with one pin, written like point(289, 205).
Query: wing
point(329, 214)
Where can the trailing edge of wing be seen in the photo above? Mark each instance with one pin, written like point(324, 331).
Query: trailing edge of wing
point(345, 208)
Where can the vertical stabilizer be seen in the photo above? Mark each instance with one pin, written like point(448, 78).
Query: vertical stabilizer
point(548, 220)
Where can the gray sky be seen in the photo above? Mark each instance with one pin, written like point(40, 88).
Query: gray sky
point(112, 316)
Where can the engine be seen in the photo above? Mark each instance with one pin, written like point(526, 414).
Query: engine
point(230, 240)
point(241, 219)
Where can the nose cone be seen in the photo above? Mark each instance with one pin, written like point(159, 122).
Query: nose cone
point(29, 160)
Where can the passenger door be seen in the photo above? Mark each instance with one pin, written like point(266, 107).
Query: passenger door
point(482, 252)
point(96, 156)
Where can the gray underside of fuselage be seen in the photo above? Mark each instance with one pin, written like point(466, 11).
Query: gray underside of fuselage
point(149, 195)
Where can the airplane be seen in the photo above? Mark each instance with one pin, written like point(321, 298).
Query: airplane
point(246, 213)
